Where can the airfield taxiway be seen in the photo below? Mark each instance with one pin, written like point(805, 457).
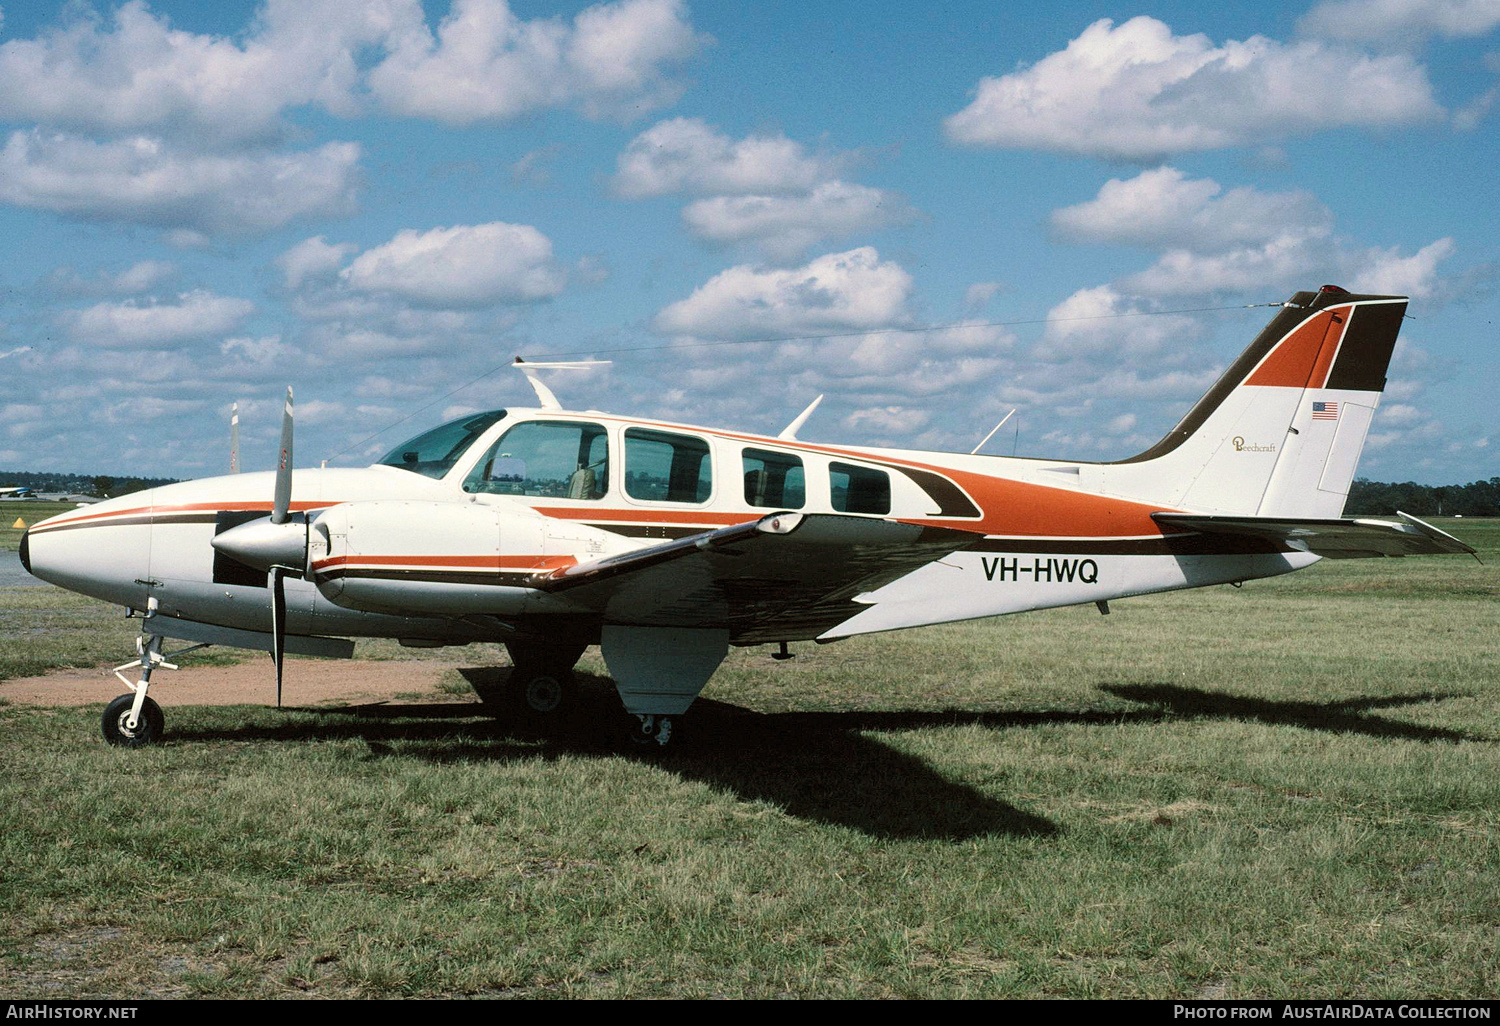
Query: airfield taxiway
point(12, 574)
point(309, 683)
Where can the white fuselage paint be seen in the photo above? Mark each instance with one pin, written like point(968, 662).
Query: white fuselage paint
point(156, 544)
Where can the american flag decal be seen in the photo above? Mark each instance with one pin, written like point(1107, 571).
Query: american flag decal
point(1325, 411)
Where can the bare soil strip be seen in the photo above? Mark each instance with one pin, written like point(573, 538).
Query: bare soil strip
point(307, 682)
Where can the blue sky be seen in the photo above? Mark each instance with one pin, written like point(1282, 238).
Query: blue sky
point(379, 202)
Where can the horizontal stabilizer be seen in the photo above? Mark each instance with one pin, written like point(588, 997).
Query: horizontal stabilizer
point(1336, 539)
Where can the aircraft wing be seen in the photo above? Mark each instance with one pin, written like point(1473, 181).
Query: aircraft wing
point(1336, 539)
point(786, 576)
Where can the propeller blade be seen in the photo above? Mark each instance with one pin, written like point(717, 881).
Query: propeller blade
point(283, 500)
point(278, 624)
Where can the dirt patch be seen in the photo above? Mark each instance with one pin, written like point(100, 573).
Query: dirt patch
point(306, 682)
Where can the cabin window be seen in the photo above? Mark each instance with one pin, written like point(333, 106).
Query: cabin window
point(859, 489)
point(552, 459)
point(661, 466)
point(433, 454)
point(774, 480)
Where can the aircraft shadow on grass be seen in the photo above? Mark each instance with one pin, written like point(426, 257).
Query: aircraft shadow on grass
point(817, 766)
point(1348, 716)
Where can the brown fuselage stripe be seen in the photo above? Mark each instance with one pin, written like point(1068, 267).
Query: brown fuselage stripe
point(1167, 545)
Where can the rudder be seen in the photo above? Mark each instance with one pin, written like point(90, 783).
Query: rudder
point(1280, 433)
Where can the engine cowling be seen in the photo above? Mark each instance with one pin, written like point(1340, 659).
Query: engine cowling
point(444, 558)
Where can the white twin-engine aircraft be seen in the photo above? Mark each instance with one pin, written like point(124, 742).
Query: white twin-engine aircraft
point(550, 531)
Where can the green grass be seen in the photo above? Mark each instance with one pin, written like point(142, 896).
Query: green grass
point(1286, 790)
point(28, 511)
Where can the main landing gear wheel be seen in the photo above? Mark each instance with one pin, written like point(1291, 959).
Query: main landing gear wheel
point(540, 691)
point(148, 729)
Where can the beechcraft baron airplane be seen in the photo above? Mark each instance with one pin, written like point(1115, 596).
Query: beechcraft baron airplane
point(664, 544)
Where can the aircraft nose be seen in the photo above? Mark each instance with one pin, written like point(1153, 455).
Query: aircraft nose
point(104, 552)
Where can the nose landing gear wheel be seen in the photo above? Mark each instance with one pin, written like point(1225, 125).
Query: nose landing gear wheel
point(148, 728)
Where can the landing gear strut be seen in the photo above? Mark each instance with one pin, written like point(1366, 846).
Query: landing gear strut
point(133, 720)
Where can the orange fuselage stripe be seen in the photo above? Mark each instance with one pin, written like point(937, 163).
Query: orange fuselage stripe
point(522, 562)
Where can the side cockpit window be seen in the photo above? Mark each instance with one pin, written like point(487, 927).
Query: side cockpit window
point(663, 466)
point(859, 489)
point(774, 480)
point(550, 459)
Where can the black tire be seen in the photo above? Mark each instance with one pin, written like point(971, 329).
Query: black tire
point(542, 692)
point(148, 731)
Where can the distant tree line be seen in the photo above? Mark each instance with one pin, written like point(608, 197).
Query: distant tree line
point(80, 484)
point(1478, 499)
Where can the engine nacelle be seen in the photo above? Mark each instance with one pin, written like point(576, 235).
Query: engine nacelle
point(445, 558)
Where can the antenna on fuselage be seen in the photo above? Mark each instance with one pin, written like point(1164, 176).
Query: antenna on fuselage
point(790, 431)
point(543, 393)
point(987, 437)
point(234, 439)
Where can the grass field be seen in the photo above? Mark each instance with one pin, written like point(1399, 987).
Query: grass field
point(1286, 790)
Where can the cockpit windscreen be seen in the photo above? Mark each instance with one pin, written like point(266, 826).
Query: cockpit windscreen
point(433, 454)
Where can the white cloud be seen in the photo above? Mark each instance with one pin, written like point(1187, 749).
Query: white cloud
point(136, 73)
point(1292, 262)
point(535, 167)
point(785, 226)
point(766, 191)
point(1164, 207)
point(312, 259)
point(981, 292)
point(463, 266)
point(618, 50)
point(850, 290)
point(487, 64)
point(686, 155)
point(1399, 415)
point(1388, 273)
point(151, 325)
point(145, 181)
point(1239, 240)
point(1137, 92)
point(1099, 322)
point(1472, 114)
point(888, 420)
point(256, 350)
point(1282, 263)
point(141, 276)
point(1405, 22)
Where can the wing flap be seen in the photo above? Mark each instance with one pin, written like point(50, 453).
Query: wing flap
point(1335, 539)
point(786, 576)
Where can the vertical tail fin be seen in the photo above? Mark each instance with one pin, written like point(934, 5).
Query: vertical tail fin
point(1280, 433)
